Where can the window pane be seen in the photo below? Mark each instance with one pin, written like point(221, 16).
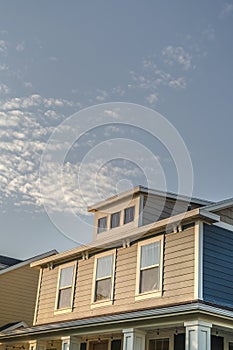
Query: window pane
point(129, 215)
point(159, 344)
point(66, 276)
point(116, 344)
point(104, 266)
point(102, 224)
point(150, 254)
point(230, 346)
point(103, 289)
point(64, 298)
point(149, 280)
point(115, 220)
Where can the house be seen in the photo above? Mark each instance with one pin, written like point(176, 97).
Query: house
point(157, 276)
point(6, 261)
point(18, 288)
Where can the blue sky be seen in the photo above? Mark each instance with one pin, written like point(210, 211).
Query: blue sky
point(59, 57)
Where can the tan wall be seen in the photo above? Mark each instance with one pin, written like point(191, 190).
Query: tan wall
point(178, 281)
point(120, 206)
point(18, 290)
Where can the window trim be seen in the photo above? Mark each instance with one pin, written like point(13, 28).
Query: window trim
point(106, 302)
point(168, 336)
point(153, 293)
point(106, 229)
point(65, 309)
point(117, 212)
point(130, 222)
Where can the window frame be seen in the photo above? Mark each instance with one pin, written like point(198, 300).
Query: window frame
point(117, 212)
point(152, 293)
point(104, 302)
point(158, 337)
point(126, 223)
point(98, 227)
point(70, 308)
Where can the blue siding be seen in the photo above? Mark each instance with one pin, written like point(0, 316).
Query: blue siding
point(218, 265)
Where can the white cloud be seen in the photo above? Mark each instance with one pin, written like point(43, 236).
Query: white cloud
point(20, 46)
point(3, 46)
point(152, 99)
point(111, 113)
point(227, 10)
point(28, 85)
point(179, 83)
point(178, 55)
point(102, 95)
point(3, 67)
point(4, 89)
point(35, 100)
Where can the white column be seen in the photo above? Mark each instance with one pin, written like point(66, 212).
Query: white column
point(37, 345)
point(134, 339)
point(198, 335)
point(70, 343)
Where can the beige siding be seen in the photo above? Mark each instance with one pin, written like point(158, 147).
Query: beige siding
point(226, 215)
point(119, 207)
point(18, 290)
point(178, 281)
point(158, 208)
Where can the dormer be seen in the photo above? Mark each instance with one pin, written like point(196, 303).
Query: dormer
point(137, 207)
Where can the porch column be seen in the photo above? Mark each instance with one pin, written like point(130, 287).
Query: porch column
point(134, 339)
point(198, 335)
point(37, 345)
point(70, 343)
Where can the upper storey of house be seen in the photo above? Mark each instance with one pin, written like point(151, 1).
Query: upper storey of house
point(149, 250)
point(135, 208)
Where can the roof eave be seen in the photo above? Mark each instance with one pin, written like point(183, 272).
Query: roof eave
point(131, 234)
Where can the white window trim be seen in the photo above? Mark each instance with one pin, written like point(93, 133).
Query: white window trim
point(106, 302)
point(124, 210)
point(67, 309)
point(117, 212)
point(153, 293)
point(107, 224)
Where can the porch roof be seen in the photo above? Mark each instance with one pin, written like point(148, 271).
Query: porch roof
point(120, 319)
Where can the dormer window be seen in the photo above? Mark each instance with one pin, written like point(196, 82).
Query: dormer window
point(115, 219)
point(129, 214)
point(102, 224)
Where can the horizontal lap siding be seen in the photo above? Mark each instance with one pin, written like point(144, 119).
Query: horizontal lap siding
point(157, 208)
point(178, 281)
point(226, 215)
point(18, 290)
point(217, 265)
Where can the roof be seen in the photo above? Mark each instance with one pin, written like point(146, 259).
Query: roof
point(131, 234)
point(226, 203)
point(7, 261)
point(12, 326)
point(145, 190)
point(28, 261)
point(76, 326)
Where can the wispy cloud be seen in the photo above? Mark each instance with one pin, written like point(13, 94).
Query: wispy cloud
point(102, 95)
point(20, 46)
point(178, 55)
point(3, 46)
point(227, 10)
point(4, 89)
